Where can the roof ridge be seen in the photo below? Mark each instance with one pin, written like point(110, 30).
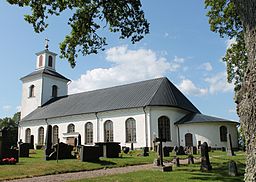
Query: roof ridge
point(116, 86)
point(153, 95)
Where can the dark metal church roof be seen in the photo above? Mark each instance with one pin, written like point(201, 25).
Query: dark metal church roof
point(200, 118)
point(155, 92)
point(47, 72)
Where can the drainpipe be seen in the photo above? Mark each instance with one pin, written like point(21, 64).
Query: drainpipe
point(178, 135)
point(146, 125)
point(97, 126)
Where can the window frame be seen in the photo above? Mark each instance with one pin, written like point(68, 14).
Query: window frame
point(223, 133)
point(130, 128)
point(71, 128)
point(50, 61)
point(31, 91)
point(28, 135)
point(88, 140)
point(54, 134)
point(41, 135)
point(164, 126)
point(108, 131)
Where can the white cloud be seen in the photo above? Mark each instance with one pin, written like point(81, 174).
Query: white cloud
point(188, 87)
point(206, 66)
point(179, 59)
point(127, 66)
point(7, 108)
point(218, 83)
point(229, 42)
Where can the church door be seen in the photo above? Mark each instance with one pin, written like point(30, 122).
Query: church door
point(188, 140)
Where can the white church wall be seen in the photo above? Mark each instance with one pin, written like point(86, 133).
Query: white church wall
point(34, 126)
point(29, 104)
point(48, 82)
point(119, 118)
point(208, 132)
point(174, 114)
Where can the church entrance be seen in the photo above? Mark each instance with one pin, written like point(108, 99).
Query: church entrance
point(70, 141)
point(188, 139)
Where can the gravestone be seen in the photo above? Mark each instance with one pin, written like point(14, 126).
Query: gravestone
point(90, 153)
point(232, 168)
point(194, 150)
point(180, 151)
point(126, 150)
point(145, 151)
point(177, 161)
point(166, 151)
point(24, 149)
point(230, 151)
point(205, 161)
point(65, 152)
point(79, 140)
point(1, 138)
point(132, 146)
point(109, 149)
point(48, 143)
point(31, 145)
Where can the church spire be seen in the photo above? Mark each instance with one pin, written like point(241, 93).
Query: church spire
point(46, 59)
point(46, 45)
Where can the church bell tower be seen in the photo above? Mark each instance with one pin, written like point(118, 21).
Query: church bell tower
point(43, 84)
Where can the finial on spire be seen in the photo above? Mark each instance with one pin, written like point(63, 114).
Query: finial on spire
point(46, 43)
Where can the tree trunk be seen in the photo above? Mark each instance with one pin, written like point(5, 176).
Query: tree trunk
point(246, 97)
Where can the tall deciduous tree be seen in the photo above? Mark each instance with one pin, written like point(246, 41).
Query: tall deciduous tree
point(89, 16)
point(237, 19)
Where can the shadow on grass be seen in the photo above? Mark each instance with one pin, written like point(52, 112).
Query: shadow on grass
point(103, 162)
point(218, 173)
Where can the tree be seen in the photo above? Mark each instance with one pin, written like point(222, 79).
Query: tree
point(237, 19)
point(89, 16)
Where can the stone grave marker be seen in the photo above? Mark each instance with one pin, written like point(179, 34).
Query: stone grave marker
point(31, 145)
point(230, 151)
point(232, 168)
point(48, 143)
point(205, 161)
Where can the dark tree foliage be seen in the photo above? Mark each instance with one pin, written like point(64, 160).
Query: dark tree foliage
point(89, 16)
point(223, 19)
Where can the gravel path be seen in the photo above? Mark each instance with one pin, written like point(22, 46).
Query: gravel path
point(91, 174)
point(85, 174)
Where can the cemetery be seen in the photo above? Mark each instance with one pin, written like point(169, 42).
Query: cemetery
point(173, 162)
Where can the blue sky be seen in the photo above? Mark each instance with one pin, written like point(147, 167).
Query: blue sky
point(180, 46)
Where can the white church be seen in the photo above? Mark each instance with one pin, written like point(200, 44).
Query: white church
point(133, 113)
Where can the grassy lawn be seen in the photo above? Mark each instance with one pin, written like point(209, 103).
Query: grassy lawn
point(35, 165)
point(219, 161)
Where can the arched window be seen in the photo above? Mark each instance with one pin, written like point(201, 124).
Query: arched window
point(89, 133)
point(50, 61)
point(54, 91)
point(164, 130)
point(108, 131)
point(223, 133)
point(40, 61)
point(32, 91)
point(130, 126)
point(27, 135)
point(71, 128)
point(55, 134)
point(41, 136)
